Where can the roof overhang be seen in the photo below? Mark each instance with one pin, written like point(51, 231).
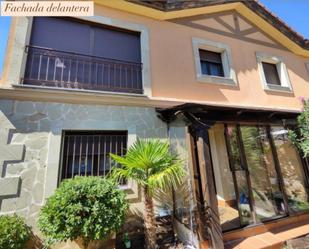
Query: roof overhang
point(266, 20)
point(212, 114)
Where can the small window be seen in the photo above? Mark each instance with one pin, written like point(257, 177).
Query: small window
point(271, 73)
point(87, 153)
point(211, 63)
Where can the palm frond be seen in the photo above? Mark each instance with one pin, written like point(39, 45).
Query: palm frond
point(149, 162)
point(169, 176)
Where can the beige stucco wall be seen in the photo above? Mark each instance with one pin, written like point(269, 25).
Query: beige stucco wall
point(172, 63)
point(176, 78)
point(173, 70)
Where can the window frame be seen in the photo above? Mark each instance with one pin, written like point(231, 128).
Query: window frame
point(285, 83)
point(26, 27)
point(125, 186)
point(277, 165)
point(229, 77)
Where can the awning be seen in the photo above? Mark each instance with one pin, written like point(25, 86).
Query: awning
point(209, 113)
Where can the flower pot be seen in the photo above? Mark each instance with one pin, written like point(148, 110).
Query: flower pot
point(127, 244)
point(109, 243)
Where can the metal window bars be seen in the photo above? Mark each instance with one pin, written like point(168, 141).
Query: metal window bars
point(88, 153)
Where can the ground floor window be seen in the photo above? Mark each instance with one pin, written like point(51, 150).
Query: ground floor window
point(87, 153)
point(262, 177)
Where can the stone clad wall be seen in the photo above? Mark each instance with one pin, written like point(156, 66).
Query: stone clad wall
point(36, 127)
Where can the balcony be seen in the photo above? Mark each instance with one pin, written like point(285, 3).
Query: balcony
point(61, 69)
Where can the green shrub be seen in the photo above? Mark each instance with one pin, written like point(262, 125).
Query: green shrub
point(14, 233)
point(301, 138)
point(91, 208)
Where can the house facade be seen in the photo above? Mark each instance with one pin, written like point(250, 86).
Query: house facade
point(222, 80)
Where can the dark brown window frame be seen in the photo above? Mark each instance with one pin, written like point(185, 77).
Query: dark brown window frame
point(102, 149)
point(273, 69)
point(304, 164)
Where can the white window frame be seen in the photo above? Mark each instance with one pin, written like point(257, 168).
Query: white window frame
point(226, 57)
point(285, 83)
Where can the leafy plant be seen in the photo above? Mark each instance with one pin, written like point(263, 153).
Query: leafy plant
point(90, 208)
point(301, 137)
point(14, 233)
point(126, 238)
point(151, 164)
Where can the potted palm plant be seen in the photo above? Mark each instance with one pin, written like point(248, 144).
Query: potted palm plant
point(151, 164)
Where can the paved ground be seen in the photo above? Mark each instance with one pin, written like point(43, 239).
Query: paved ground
point(298, 243)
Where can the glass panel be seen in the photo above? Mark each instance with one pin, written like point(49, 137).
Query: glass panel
point(216, 69)
point(226, 196)
point(204, 66)
point(292, 170)
point(267, 196)
point(182, 202)
point(240, 182)
point(231, 134)
point(209, 68)
point(244, 199)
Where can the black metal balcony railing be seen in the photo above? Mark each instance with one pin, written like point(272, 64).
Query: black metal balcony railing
point(54, 68)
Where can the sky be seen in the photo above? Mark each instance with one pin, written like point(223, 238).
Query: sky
point(294, 12)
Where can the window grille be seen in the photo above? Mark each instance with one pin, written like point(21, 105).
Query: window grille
point(87, 153)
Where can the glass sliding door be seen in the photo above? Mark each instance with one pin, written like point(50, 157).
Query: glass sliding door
point(240, 175)
point(267, 196)
point(259, 174)
point(224, 180)
point(292, 170)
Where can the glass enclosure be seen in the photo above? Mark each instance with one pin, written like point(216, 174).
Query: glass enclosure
point(262, 177)
point(292, 171)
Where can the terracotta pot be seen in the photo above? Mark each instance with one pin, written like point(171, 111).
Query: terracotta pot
point(109, 243)
point(106, 244)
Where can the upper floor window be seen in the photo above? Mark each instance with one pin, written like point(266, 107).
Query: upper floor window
point(75, 54)
point(87, 153)
point(213, 62)
point(273, 72)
